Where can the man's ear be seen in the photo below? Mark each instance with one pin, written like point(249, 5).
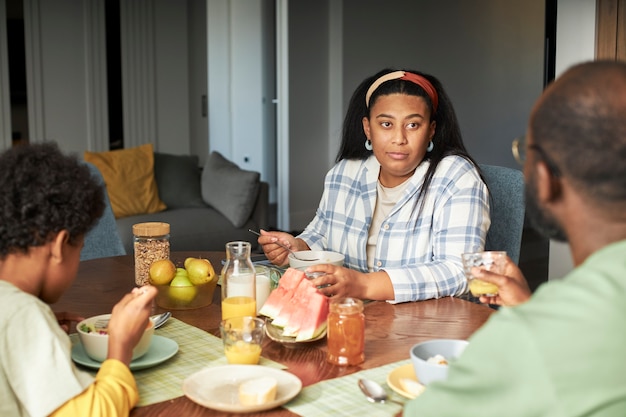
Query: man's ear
point(548, 185)
point(57, 246)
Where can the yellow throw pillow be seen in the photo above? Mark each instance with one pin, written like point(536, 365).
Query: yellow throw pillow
point(129, 178)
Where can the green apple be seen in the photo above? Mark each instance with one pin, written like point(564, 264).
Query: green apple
point(181, 289)
point(181, 281)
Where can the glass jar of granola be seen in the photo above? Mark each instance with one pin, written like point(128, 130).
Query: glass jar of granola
point(151, 243)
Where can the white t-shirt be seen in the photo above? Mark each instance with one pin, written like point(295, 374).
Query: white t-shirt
point(386, 199)
point(37, 373)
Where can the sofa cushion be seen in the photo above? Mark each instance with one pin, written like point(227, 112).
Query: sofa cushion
point(178, 180)
point(230, 190)
point(129, 178)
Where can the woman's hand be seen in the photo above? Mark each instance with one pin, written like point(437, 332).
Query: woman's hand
point(129, 319)
point(344, 282)
point(66, 319)
point(512, 286)
point(276, 253)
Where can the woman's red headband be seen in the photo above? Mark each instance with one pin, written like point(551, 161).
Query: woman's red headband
point(408, 76)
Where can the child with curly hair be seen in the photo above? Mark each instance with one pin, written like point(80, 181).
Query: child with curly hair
point(48, 202)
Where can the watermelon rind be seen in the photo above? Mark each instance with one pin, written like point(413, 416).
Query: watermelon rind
point(318, 332)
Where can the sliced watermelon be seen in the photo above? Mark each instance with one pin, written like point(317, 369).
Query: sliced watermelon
point(298, 315)
point(297, 302)
point(297, 307)
point(282, 294)
point(314, 320)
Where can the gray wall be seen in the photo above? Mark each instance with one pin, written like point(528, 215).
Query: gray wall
point(487, 53)
point(308, 103)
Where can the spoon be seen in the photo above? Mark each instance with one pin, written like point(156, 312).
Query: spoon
point(294, 253)
point(160, 319)
point(374, 392)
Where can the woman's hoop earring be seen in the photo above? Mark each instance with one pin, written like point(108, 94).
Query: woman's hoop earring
point(430, 147)
point(368, 144)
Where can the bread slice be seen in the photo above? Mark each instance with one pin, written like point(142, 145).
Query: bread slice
point(258, 391)
point(411, 386)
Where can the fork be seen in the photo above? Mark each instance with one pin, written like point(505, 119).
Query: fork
point(294, 253)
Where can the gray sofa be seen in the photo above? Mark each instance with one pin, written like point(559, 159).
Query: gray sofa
point(206, 207)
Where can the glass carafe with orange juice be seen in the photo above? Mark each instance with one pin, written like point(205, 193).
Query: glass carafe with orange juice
point(346, 332)
point(238, 282)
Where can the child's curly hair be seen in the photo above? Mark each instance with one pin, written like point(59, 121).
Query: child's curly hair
point(43, 191)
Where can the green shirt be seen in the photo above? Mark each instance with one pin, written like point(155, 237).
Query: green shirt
point(562, 353)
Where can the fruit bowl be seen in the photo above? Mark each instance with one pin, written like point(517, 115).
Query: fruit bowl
point(183, 288)
point(185, 298)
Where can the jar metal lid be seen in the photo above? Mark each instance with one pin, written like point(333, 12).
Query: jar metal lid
point(151, 229)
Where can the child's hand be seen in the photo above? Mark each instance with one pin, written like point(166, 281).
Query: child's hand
point(66, 319)
point(129, 319)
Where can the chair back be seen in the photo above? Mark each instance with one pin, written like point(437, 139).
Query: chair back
point(506, 187)
point(102, 240)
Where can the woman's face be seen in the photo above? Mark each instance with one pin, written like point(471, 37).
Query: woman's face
point(400, 129)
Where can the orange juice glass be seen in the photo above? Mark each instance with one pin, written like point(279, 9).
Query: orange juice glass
point(238, 307)
point(494, 261)
point(243, 353)
point(346, 332)
point(242, 337)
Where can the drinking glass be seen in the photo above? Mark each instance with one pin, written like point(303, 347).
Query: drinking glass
point(242, 337)
point(263, 285)
point(493, 261)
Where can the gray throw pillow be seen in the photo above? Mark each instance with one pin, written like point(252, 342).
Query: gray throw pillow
point(178, 180)
point(230, 190)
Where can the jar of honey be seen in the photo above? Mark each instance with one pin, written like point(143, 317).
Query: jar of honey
point(346, 332)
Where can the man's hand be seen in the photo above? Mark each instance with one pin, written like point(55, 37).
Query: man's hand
point(512, 286)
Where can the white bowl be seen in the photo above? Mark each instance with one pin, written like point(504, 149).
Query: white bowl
point(306, 258)
point(427, 372)
point(96, 345)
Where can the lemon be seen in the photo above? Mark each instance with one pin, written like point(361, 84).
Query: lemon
point(162, 272)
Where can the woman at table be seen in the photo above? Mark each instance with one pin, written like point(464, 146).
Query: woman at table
point(48, 203)
point(403, 201)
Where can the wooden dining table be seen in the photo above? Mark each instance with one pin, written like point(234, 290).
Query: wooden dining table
point(390, 329)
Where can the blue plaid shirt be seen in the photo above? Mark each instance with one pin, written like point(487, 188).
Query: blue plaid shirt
point(421, 252)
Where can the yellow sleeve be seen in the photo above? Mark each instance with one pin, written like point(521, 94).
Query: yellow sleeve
point(113, 393)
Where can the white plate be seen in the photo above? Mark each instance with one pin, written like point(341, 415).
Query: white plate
point(276, 334)
point(160, 350)
point(393, 379)
point(218, 387)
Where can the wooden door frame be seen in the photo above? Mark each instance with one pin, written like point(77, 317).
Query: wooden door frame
point(611, 29)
